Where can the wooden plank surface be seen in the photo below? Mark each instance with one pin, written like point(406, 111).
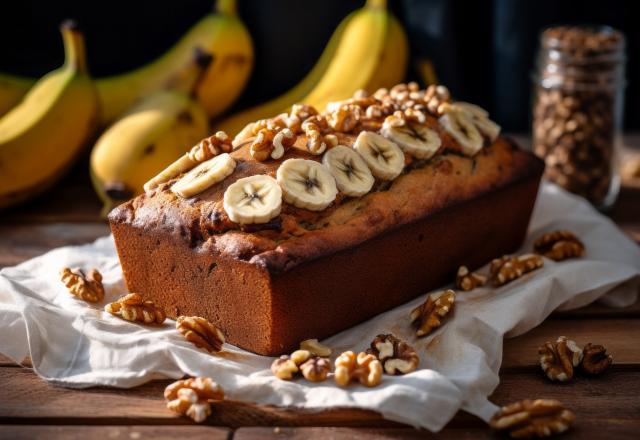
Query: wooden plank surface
point(25, 432)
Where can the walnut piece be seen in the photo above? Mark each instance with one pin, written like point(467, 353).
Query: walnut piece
point(466, 280)
point(345, 118)
point(508, 268)
point(396, 356)
point(315, 348)
point(210, 147)
point(317, 143)
point(559, 360)
point(287, 366)
point(271, 143)
point(316, 369)
point(533, 418)
point(595, 359)
point(559, 245)
point(429, 315)
point(434, 98)
point(87, 287)
point(200, 332)
point(192, 397)
point(132, 307)
point(363, 367)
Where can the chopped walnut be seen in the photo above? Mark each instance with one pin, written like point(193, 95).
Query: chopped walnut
point(271, 142)
point(192, 397)
point(316, 142)
point(429, 315)
point(508, 268)
point(364, 367)
point(434, 97)
point(397, 356)
point(316, 369)
point(210, 147)
point(303, 111)
point(132, 307)
point(200, 332)
point(286, 366)
point(559, 360)
point(315, 348)
point(559, 245)
point(595, 359)
point(345, 118)
point(87, 287)
point(533, 418)
point(466, 280)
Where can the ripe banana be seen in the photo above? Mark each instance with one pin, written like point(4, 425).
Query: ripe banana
point(205, 175)
point(254, 199)
point(306, 184)
point(12, 90)
point(44, 134)
point(357, 57)
point(384, 158)
point(352, 174)
point(146, 139)
point(221, 34)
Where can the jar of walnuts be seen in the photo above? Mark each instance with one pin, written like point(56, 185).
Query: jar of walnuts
point(577, 109)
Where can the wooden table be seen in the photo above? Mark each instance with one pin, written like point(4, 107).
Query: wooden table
point(606, 407)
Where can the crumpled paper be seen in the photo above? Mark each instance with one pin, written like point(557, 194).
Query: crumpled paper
point(78, 345)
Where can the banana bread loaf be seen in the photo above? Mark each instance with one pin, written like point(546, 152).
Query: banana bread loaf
point(319, 242)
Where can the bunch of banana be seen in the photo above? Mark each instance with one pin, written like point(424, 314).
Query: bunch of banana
point(42, 136)
point(221, 34)
point(368, 50)
point(149, 136)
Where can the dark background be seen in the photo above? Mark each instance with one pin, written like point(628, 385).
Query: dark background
point(483, 50)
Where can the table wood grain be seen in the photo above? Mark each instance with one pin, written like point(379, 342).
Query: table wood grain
point(607, 406)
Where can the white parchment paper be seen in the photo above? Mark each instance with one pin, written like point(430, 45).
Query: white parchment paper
point(78, 345)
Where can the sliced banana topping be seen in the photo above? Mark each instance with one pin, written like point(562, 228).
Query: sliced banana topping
point(480, 118)
point(460, 125)
point(306, 184)
point(351, 172)
point(384, 158)
point(182, 165)
point(254, 199)
point(418, 140)
point(204, 175)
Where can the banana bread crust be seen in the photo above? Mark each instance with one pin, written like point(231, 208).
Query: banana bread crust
point(298, 235)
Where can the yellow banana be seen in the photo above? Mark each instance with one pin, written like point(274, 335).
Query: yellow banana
point(221, 34)
point(12, 90)
point(148, 138)
point(42, 135)
point(368, 50)
point(234, 123)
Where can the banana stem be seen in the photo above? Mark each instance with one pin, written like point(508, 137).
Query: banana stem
point(226, 7)
point(75, 55)
point(382, 4)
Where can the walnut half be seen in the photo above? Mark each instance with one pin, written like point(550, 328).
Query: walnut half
point(533, 418)
point(595, 359)
point(559, 360)
point(192, 397)
point(397, 356)
point(508, 268)
point(132, 307)
point(87, 287)
point(362, 367)
point(559, 245)
point(429, 315)
point(200, 332)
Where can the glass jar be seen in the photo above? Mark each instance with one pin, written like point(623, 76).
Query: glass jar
point(577, 109)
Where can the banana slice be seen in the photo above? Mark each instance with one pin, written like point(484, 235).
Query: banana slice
point(480, 118)
point(419, 141)
point(254, 199)
point(306, 184)
point(460, 125)
point(204, 175)
point(384, 158)
point(351, 172)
